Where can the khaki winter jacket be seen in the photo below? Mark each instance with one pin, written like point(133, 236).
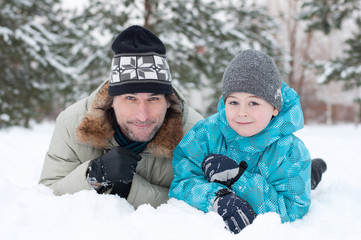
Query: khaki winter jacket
point(81, 135)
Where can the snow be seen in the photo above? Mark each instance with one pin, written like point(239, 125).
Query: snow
point(71, 4)
point(31, 211)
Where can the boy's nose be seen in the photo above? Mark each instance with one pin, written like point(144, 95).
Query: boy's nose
point(242, 111)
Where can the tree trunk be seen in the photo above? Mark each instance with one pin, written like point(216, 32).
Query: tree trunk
point(329, 113)
point(147, 14)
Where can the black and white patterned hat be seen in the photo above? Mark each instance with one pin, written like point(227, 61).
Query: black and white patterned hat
point(139, 64)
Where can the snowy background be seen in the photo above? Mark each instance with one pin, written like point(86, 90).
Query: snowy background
point(30, 211)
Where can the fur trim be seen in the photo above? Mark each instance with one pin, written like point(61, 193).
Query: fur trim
point(96, 131)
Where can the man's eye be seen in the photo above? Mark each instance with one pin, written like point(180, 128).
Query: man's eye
point(153, 99)
point(129, 98)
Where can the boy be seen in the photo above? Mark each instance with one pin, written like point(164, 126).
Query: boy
point(244, 160)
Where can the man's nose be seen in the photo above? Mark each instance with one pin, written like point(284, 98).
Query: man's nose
point(142, 112)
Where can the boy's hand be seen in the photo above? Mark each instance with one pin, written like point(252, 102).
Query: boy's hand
point(220, 168)
point(235, 211)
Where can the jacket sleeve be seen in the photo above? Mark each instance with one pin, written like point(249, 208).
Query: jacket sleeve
point(62, 170)
point(283, 184)
point(189, 183)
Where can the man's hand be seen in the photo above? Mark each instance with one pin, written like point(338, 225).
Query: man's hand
point(235, 211)
point(220, 168)
point(117, 165)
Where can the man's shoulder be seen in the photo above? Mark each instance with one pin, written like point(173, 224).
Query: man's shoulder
point(205, 125)
point(193, 116)
point(70, 118)
point(75, 110)
point(80, 108)
point(190, 118)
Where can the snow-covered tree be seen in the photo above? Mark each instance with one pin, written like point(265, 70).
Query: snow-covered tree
point(327, 15)
point(35, 64)
point(100, 21)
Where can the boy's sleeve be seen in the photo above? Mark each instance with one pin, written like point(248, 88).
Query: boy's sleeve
point(189, 183)
point(284, 183)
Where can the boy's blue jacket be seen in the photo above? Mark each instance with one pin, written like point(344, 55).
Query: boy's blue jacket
point(279, 166)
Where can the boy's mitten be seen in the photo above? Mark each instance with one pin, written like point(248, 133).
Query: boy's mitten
point(220, 168)
point(235, 211)
point(318, 167)
point(117, 165)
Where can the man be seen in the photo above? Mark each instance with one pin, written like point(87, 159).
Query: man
point(120, 139)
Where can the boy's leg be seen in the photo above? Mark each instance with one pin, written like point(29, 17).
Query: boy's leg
point(318, 167)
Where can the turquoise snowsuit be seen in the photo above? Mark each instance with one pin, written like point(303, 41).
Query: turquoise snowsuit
point(279, 166)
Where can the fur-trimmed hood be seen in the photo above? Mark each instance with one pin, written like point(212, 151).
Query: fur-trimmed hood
point(96, 131)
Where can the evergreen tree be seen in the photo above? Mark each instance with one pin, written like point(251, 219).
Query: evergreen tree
point(100, 21)
point(34, 64)
point(346, 69)
point(326, 15)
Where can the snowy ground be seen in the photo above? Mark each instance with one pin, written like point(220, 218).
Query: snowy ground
point(29, 211)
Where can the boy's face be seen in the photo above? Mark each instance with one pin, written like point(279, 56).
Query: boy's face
point(248, 114)
point(140, 115)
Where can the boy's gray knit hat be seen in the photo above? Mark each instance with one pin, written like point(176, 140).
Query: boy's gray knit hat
point(254, 72)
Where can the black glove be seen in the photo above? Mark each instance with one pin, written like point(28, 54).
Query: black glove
point(220, 168)
point(235, 211)
point(116, 166)
point(318, 167)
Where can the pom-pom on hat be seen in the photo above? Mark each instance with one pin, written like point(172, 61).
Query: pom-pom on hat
point(139, 64)
point(254, 72)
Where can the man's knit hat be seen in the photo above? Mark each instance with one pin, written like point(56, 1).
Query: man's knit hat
point(254, 72)
point(139, 64)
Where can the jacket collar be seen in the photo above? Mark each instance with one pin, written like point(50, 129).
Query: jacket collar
point(96, 131)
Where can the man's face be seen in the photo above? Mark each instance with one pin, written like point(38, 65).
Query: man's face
point(140, 115)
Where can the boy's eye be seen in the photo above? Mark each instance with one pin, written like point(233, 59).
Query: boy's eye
point(253, 103)
point(233, 103)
